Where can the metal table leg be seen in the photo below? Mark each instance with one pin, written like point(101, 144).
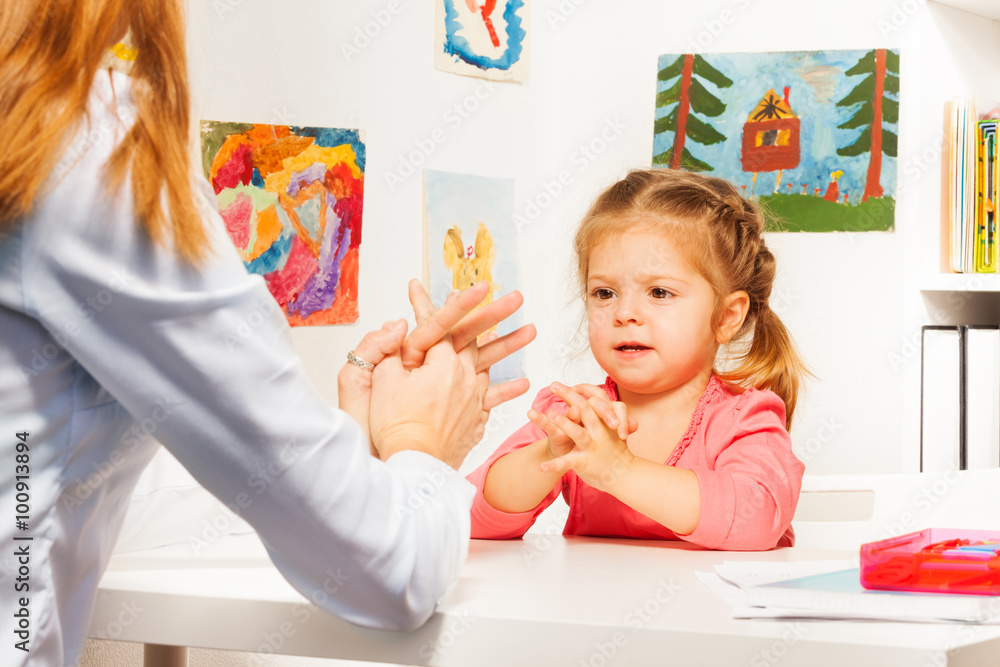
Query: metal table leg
point(159, 655)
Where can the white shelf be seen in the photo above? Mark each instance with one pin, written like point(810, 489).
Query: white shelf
point(987, 8)
point(960, 282)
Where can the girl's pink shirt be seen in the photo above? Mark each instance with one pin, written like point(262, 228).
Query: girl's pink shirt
point(736, 444)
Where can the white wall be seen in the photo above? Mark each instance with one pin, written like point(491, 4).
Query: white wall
point(850, 300)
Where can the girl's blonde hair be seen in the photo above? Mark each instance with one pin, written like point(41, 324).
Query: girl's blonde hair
point(720, 233)
point(49, 54)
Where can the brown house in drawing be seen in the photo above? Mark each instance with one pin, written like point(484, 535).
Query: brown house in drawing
point(771, 136)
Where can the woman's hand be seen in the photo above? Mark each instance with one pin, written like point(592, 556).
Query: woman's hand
point(599, 456)
point(436, 408)
point(458, 321)
point(456, 325)
point(354, 384)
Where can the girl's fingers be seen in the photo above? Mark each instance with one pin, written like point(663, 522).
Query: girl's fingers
point(567, 394)
point(605, 408)
point(588, 417)
point(557, 437)
point(560, 464)
point(543, 422)
point(577, 433)
point(624, 423)
point(571, 397)
point(590, 390)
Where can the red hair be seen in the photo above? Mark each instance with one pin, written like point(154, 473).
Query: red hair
point(49, 54)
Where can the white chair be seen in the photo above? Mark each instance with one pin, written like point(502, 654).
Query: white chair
point(169, 507)
point(844, 511)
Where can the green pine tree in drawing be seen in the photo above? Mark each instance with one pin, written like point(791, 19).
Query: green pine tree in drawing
point(876, 108)
point(690, 97)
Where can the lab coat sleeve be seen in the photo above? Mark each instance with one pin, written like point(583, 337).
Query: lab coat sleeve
point(202, 359)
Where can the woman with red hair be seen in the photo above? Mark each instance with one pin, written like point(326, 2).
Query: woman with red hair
point(118, 285)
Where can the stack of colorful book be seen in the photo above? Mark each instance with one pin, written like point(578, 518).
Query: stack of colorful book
point(973, 190)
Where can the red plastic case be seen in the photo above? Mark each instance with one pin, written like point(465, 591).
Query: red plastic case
point(937, 560)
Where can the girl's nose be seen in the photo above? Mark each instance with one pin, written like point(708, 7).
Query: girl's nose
point(628, 311)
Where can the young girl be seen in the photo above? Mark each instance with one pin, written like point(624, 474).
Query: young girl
point(672, 266)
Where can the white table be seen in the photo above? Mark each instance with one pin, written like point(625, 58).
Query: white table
point(547, 600)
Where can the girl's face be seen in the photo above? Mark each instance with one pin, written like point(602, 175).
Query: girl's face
point(649, 314)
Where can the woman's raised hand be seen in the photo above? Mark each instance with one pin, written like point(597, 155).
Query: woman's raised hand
point(430, 390)
point(458, 321)
point(354, 384)
point(436, 408)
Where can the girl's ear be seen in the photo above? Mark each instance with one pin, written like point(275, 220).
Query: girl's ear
point(733, 312)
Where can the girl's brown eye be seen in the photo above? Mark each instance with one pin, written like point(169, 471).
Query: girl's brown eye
point(660, 293)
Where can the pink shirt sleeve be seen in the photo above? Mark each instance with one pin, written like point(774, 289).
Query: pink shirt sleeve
point(491, 523)
point(750, 483)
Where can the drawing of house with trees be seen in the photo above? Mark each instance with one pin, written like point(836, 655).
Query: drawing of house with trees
point(821, 155)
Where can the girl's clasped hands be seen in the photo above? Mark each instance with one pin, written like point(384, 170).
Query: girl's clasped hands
point(590, 438)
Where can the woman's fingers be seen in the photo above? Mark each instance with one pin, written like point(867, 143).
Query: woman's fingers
point(492, 351)
point(504, 392)
point(434, 325)
point(461, 320)
point(422, 305)
point(377, 345)
point(471, 326)
point(354, 383)
point(373, 348)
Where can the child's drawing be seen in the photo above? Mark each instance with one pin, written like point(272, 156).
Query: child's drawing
point(470, 237)
point(811, 135)
point(469, 265)
point(482, 38)
point(291, 198)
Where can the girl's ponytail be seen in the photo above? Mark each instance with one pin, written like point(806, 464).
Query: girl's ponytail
point(771, 362)
point(747, 264)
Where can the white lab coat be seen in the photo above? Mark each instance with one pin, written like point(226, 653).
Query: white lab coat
point(109, 344)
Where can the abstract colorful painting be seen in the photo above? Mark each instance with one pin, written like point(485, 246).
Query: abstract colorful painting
point(291, 198)
point(811, 135)
point(482, 38)
point(470, 237)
